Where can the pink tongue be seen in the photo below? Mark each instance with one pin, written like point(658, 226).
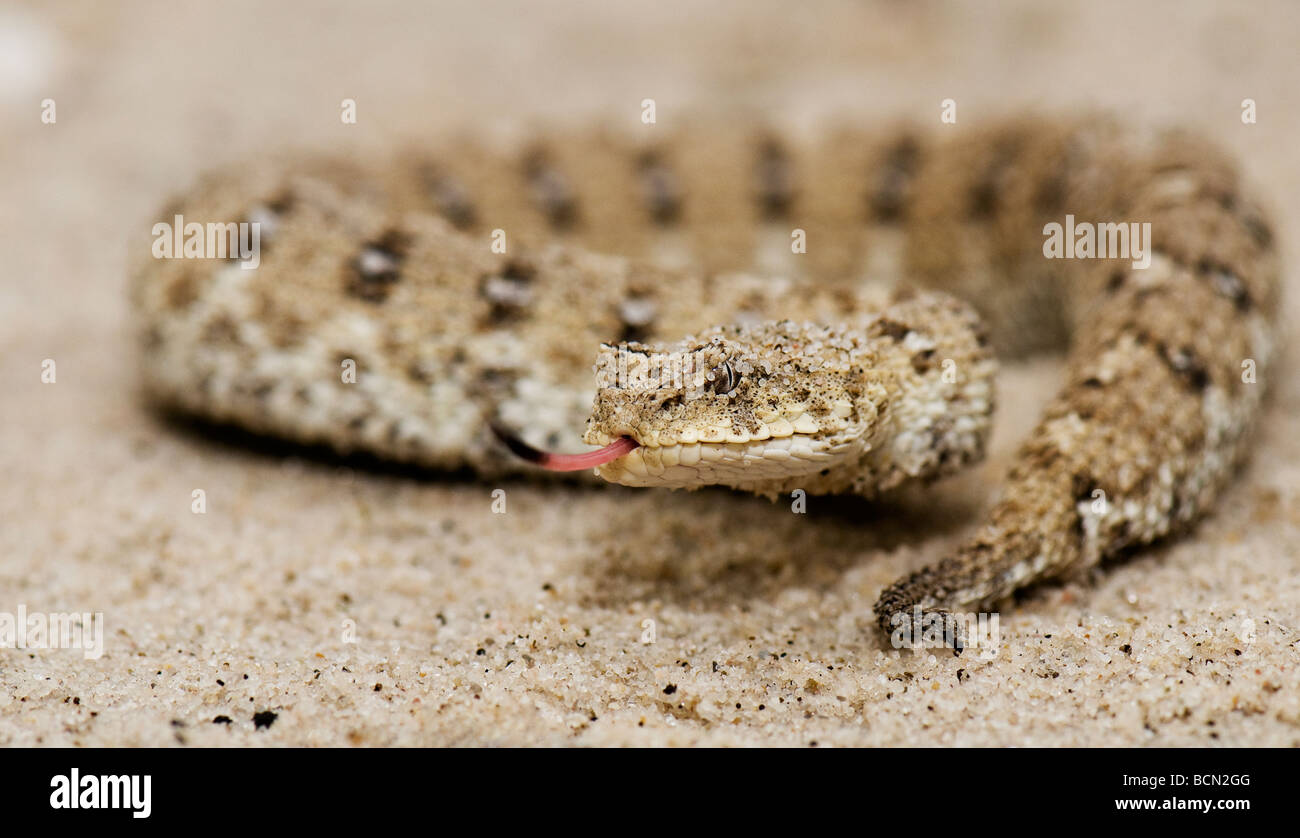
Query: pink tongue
point(577, 462)
point(567, 462)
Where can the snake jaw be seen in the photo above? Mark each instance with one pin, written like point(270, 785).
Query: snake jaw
point(690, 465)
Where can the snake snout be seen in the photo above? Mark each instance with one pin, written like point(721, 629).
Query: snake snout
point(616, 415)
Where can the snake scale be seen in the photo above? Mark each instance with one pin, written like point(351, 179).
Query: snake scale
point(766, 310)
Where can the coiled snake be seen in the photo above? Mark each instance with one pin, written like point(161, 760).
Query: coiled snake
point(468, 288)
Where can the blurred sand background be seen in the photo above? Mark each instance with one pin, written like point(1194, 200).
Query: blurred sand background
point(526, 628)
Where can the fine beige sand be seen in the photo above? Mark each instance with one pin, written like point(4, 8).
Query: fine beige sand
point(344, 606)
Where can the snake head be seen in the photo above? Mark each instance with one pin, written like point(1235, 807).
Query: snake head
point(737, 406)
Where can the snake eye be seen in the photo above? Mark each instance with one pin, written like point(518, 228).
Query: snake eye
point(723, 379)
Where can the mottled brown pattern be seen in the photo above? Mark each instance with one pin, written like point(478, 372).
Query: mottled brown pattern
point(447, 333)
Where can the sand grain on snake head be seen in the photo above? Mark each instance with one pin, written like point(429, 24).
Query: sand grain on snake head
point(801, 375)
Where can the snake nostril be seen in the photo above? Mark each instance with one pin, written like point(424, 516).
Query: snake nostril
point(669, 403)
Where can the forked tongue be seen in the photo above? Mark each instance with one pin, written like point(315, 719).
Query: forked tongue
point(566, 462)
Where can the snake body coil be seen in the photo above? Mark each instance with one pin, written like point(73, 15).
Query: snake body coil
point(818, 380)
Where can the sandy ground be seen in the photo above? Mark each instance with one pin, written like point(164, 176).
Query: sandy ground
point(318, 604)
